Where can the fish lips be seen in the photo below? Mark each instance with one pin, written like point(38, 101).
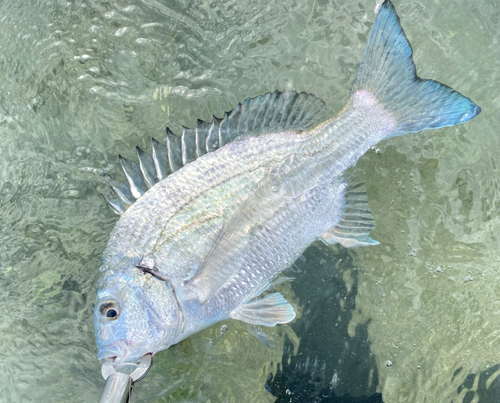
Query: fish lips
point(120, 351)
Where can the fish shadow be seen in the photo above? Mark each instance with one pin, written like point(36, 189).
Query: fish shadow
point(330, 365)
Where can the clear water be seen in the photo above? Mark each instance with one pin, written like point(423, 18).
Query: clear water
point(81, 82)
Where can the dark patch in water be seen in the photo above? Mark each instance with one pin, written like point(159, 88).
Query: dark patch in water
point(330, 365)
point(484, 394)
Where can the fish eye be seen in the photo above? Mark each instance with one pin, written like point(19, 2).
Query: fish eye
point(110, 310)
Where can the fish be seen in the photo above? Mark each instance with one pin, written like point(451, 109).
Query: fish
point(212, 217)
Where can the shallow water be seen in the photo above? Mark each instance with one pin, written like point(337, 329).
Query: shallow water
point(82, 82)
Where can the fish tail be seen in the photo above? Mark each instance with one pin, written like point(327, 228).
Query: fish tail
point(387, 71)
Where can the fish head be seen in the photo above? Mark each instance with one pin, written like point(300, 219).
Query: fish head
point(135, 314)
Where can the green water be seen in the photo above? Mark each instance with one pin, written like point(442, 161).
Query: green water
point(81, 82)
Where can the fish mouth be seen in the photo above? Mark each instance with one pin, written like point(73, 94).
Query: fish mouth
point(119, 351)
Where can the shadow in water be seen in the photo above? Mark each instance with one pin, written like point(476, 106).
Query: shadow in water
point(483, 387)
point(330, 365)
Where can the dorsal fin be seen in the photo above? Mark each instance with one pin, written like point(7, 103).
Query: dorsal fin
point(272, 112)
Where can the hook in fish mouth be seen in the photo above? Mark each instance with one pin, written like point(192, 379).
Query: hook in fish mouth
point(136, 371)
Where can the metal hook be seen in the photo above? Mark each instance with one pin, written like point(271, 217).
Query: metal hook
point(119, 384)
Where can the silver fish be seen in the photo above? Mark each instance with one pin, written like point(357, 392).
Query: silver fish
point(213, 216)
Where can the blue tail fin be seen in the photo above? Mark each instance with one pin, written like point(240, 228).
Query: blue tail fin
point(387, 71)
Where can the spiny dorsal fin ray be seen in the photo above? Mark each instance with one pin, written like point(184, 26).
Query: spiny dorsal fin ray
point(124, 196)
point(174, 149)
point(134, 177)
point(188, 144)
point(272, 112)
point(202, 132)
point(212, 140)
point(356, 223)
point(147, 167)
point(160, 159)
point(115, 204)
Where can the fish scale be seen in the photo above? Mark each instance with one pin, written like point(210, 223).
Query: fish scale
point(169, 213)
point(304, 210)
point(237, 200)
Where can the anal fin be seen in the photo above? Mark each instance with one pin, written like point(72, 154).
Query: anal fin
point(356, 223)
point(267, 311)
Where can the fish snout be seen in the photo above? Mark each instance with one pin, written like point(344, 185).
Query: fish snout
point(120, 350)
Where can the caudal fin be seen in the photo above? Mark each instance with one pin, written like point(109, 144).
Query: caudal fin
point(387, 71)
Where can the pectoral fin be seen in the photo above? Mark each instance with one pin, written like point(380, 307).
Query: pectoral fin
point(356, 223)
point(221, 262)
point(267, 311)
point(347, 240)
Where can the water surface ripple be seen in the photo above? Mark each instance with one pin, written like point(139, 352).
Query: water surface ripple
point(84, 81)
